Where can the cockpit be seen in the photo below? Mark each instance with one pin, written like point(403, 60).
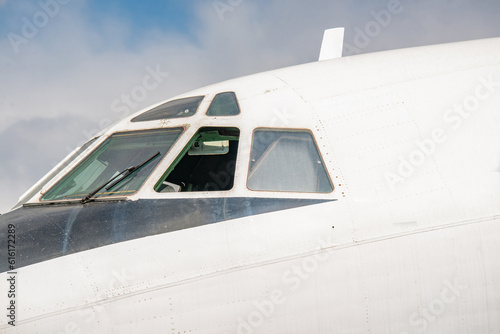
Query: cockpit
point(117, 165)
point(201, 159)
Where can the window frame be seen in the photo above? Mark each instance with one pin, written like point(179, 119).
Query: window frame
point(97, 144)
point(184, 151)
point(140, 118)
point(213, 99)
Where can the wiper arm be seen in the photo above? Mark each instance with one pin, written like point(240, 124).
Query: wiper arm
point(125, 173)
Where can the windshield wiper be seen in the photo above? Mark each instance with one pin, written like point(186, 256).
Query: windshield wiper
point(125, 173)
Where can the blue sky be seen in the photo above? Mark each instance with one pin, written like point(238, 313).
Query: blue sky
point(138, 17)
point(146, 14)
point(58, 83)
point(173, 16)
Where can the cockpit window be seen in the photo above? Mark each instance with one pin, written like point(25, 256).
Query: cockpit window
point(172, 109)
point(69, 159)
point(207, 162)
point(224, 104)
point(286, 160)
point(117, 153)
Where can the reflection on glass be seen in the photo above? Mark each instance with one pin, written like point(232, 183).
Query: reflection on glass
point(40, 184)
point(119, 152)
point(286, 161)
point(224, 104)
point(184, 107)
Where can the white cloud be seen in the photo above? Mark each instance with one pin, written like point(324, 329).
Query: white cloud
point(65, 79)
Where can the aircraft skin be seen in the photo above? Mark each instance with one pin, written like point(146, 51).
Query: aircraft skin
point(407, 241)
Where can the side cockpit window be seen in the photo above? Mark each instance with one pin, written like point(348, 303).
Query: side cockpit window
point(207, 163)
point(286, 160)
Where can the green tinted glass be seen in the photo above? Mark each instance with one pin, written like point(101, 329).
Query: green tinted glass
point(119, 152)
point(224, 104)
point(184, 107)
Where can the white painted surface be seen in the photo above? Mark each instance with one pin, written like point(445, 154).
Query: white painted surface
point(332, 45)
point(418, 256)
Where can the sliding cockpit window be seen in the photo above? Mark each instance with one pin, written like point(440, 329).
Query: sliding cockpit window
point(116, 154)
point(207, 162)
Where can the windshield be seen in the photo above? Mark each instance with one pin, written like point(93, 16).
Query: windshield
point(117, 153)
point(46, 179)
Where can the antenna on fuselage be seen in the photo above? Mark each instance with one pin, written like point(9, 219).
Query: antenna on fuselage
point(332, 45)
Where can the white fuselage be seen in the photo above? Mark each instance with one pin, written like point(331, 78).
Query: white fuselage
point(406, 243)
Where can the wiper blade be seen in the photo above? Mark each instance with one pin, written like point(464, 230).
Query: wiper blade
point(125, 173)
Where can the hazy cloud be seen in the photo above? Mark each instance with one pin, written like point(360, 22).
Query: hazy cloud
point(61, 85)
